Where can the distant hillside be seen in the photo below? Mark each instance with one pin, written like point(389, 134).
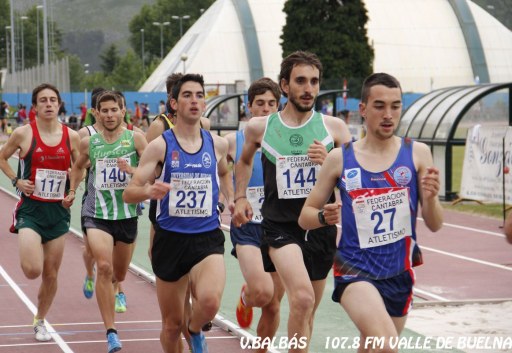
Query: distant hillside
point(89, 26)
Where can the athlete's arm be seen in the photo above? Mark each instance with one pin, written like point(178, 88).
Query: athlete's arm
point(254, 131)
point(156, 129)
point(325, 183)
point(16, 141)
point(74, 138)
point(77, 172)
point(225, 181)
point(8, 149)
point(231, 138)
point(83, 132)
point(205, 123)
point(142, 186)
point(428, 184)
point(338, 130)
point(140, 144)
point(340, 134)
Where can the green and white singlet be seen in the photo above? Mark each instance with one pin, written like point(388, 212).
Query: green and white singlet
point(106, 182)
point(289, 174)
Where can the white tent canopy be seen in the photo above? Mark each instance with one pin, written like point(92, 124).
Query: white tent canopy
point(420, 42)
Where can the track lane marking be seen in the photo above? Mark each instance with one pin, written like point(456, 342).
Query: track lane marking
point(56, 337)
point(466, 258)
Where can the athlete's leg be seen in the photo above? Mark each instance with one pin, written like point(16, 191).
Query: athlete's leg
point(171, 296)
point(53, 251)
point(371, 319)
point(102, 244)
point(270, 313)
point(259, 288)
point(207, 280)
point(289, 264)
point(318, 287)
point(31, 253)
point(88, 258)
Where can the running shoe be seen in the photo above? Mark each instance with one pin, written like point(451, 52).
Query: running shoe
point(113, 343)
point(120, 305)
point(88, 287)
point(198, 343)
point(40, 330)
point(243, 312)
point(207, 327)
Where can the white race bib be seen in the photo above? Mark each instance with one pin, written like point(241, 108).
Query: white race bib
point(191, 197)
point(109, 176)
point(256, 195)
point(382, 219)
point(295, 176)
point(50, 184)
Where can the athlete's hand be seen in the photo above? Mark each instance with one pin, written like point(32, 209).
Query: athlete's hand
point(67, 202)
point(332, 213)
point(124, 166)
point(26, 186)
point(430, 183)
point(317, 152)
point(158, 190)
point(243, 212)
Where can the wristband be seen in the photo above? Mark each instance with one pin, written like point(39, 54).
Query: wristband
point(239, 197)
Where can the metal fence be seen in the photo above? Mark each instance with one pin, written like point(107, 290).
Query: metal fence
point(25, 81)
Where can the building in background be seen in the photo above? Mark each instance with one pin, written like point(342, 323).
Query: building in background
point(425, 44)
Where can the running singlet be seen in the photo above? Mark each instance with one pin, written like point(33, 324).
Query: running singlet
point(106, 182)
point(288, 173)
point(47, 166)
point(379, 210)
point(255, 193)
point(166, 121)
point(191, 205)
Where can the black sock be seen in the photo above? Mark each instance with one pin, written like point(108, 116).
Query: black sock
point(110, 330)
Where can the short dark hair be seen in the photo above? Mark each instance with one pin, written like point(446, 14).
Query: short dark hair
point(376, 79)
point(121, 94)
point(298, 58)
point(41, 87)
point(169, 84)
point(96, 91)
point(186, 78)
point(261, 86)
point(106, 96)
point(171, 80)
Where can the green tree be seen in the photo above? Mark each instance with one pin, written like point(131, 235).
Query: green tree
point(5, 11)
point(127, 75)
point(336, 32)
point(500, 9)
point(162, 11)
point(110, 58)
point(76, 73)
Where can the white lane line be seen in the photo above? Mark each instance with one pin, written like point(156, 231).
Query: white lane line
point(432, 295)
point(208, 338)
point(470, 259)
point(33, 309)
point(469, 229)
point(88, 323)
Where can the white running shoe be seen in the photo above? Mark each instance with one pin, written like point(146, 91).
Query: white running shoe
point(41, 332)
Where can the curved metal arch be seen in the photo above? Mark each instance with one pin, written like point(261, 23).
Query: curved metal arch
point(252, 46)
point(472, 38)
point(428, 97)
point(428, 114)
point(491, 88)
point(461, 89)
